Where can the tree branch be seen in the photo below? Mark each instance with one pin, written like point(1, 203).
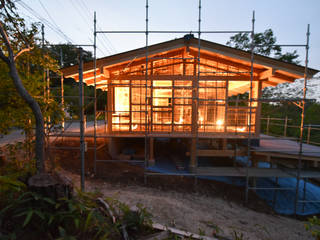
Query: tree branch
point(33, 104)
point(22, 51)
point(6, 42)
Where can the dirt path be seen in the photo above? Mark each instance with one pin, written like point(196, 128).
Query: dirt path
point(198, 213)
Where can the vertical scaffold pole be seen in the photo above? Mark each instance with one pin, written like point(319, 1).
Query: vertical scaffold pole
point(146, 97)
point(197, 90)
point(62, 88)
point(302, 121)
point(81, 105)
point(44, 71)
point(44, 81)
point(250, 109)
point(95, 94)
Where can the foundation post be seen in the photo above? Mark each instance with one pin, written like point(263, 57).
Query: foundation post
point(151, 160)
point(224, 144)
point(193, 156)
point(254, 179)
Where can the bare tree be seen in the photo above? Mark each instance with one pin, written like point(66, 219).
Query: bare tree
point(7, 55)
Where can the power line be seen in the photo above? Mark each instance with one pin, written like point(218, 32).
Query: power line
point(104, 38)
point(85, 20)
point(48, 14)
point(45, 21)
point(84, 7)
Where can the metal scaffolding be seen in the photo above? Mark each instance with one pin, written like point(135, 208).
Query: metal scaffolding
point(249, 172)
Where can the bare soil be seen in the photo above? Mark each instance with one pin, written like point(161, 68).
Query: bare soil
point(204, 206)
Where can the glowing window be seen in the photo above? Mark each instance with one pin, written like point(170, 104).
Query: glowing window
point(121, 96)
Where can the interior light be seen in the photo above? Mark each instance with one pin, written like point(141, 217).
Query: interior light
point(219, 122)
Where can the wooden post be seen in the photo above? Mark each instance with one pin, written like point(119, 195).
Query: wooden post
point(193, 155)
point(254, 179)
point(285, 126)
point(257, 91)
point(309, 133)
point(151, 159)
point(151, 99)
point(224, 144)
point(172, 106)
point(85, 122)
point(109, 106)
point(105, 119)
point(226, 103)
point(268, 123)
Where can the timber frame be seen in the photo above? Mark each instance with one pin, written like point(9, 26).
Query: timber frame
point(172, 97)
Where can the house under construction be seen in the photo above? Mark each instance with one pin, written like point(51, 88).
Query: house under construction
point(179, 90)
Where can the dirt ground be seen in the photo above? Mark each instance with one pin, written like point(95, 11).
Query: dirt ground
point(205, 207)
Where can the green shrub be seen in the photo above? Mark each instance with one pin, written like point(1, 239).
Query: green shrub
point(313, 226)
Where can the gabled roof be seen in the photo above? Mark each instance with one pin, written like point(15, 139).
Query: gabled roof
point(268, 67)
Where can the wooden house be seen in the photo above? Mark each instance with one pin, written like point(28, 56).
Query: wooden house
point(165, 92)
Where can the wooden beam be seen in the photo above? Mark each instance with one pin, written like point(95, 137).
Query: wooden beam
point(99, 79)
point(269, 84)
point(274, 77)
point(142, 61)
point(210, 47)
point(87, 75)
point(220, 153)
point(221, 60)
point(267, 73)
point(187, 77)
point(278, 80)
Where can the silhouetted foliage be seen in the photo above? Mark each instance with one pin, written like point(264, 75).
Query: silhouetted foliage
point(265, 44)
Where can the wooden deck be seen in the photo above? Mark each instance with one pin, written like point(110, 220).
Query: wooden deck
point(284, 148)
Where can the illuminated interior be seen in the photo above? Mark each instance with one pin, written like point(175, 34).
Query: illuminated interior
point(179, 91)
point(173, 88)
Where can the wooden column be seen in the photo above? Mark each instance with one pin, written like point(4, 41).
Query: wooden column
point(130, 105)
point(151, 98)
point(257, 91)
point(110, 104)
point(151, 160)
point(224, 144)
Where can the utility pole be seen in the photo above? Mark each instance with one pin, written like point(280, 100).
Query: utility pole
point(81, 105)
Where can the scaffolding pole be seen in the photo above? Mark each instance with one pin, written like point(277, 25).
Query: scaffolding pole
point(146, 155)
point(95, 93)
point(302, 120)
point(197, 94)
point(250, 111)
point(81, 104)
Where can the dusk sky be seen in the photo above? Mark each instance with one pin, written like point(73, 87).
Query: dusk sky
point(287, 18)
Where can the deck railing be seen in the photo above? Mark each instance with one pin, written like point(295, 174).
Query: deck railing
point(282, 127)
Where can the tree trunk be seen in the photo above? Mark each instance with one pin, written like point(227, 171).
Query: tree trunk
point(33, 104)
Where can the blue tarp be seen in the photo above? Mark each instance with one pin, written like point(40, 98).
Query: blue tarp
point(284, 199)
